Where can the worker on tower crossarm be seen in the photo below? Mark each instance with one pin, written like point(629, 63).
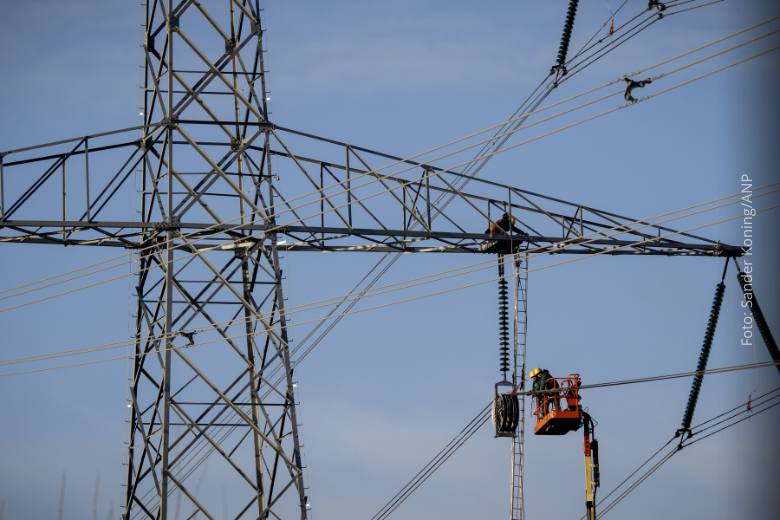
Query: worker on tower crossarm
point(502, 226)
point(545, 388)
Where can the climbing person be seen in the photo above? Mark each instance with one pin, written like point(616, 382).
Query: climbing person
point(502, 226)
point(543, 382)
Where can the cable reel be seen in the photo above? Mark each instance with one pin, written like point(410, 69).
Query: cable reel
point(505, 412)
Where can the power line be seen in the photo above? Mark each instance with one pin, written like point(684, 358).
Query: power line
point(296, 365)
point(480, 266)
point(434, 464)
point(676, 450)
point(481, 418)
point(484, 143)
point(375, 279)
point(667, 377)
point(553, 132)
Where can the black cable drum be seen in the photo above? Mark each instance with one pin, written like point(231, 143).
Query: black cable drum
point(505, 414)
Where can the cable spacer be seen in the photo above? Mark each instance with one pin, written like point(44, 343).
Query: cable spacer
point(631, 84)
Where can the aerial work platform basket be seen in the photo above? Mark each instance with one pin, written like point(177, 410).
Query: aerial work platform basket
point(557, 409)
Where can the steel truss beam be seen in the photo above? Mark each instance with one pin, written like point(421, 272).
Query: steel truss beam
point(348, 202)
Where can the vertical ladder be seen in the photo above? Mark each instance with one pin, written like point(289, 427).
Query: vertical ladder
point(516, 500)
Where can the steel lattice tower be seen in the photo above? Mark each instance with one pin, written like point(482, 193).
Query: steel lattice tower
point(184, 289)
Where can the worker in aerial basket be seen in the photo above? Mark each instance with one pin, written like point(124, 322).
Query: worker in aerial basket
point(543, 382)
point(502, 226)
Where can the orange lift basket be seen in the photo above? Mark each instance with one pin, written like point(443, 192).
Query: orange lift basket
point(557, 407)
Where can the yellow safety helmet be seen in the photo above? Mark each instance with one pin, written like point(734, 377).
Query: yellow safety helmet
point(535, 372)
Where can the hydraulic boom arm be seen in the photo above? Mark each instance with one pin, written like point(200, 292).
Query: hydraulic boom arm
point(591, 446)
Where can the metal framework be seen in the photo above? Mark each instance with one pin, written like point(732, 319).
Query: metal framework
point(222, 193)
point(516, 493)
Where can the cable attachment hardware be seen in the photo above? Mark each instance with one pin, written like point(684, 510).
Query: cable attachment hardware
point(189, 336)
point(631, 84)
point(684, 434)
point(660, 6)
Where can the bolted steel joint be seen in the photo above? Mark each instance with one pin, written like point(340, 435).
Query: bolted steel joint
point(230, 46)
point(170, 122)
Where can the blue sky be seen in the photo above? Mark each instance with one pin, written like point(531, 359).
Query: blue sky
point(387, 389)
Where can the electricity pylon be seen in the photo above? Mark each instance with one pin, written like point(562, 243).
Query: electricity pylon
point(223, 190)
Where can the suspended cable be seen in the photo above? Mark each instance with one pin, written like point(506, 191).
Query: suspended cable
point(314, 192)
point(553, 132)
point(331, 324)
point(676, 450)
point(611, 19)
point(666, 457)
point(746, 408)
point(753, 413)
point(435, 463)
point(460, 271)
point(667, 377)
